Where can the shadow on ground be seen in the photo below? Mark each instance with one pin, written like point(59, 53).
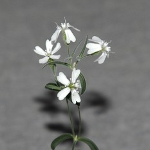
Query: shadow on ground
point(49, 104)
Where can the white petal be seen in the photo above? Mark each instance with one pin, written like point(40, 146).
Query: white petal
point(69, 36)
point(102, 58)
point(55, 56)
point(57, 47)
point(94, 46)
point(78, 84)
point(92, 51)
point(68, 25)
point(75, 96)
point(49, 46)
point(43, 60)
point(39, 51)
point(56, 34)
point(96, 39)
point(63, 79)
point(63, 93)
point(75, 75)
point(108, 49)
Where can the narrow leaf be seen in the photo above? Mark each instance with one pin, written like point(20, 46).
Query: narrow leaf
point(54, 68)
point(76, 48)
point(59, 62)
point(89, 142)
point(61, 139)
point(53, 86)
point(83, 49)
point(83, 83)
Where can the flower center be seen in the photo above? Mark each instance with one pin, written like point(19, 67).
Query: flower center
point(48, 54)
point(72, 86)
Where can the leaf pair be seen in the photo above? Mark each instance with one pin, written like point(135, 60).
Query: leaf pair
point(67, 136)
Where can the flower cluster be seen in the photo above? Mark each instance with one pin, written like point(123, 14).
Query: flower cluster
point(95, 47)
point(71, 88)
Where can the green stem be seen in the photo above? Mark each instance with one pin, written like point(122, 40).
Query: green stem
point(81, 58)
point(69, 55)
point(69, 113)
point(79, 120)
point(73, 146)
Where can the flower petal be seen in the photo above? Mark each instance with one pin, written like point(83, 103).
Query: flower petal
point(39, 51)
point(68, 25)
point(69, 36)
point(55, 35)
point(55, 56)
point(75, 75)
point(63, 79)
point(75, 96)
point(93, 46)
point(49, 46)
point(102, 58)
point(96, 39)
point(44, 60)
point(57, 47)
point(92, 51)
point(63, 93)
point(78, 84)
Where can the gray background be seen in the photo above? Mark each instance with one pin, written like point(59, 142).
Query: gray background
point(115, 108)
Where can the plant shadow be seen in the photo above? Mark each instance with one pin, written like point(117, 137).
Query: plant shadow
point(51, 106)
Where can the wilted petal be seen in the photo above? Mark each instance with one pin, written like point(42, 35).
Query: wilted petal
point(63, 93)
point(75, 96)
point(63, 79)
point(102, 58)
point(43, 60)
point(56, 34)
point(39, 51)
point(55, 56)
point(68, 25)
point(57, 47)
point(69, 36)
point(49, 46)
point(75, 75)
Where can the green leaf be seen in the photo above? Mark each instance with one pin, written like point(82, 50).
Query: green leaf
point(59, 62)
point(56, 62)
point(76, 48)
point(54, 68)
point(83, 83)
point(83, 49)
point(61, 139)
point(89, 142)
point(53, 86)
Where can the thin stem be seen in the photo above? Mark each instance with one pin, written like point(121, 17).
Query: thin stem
point(78, 60)
point(70, 57)
point(69, 113)
point(73, 146)
point(68, 49)
point(79, 120)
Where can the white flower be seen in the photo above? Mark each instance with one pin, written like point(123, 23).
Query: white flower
point(48, 53)
point(67, 33)
point(71, 85)
point(98, 46)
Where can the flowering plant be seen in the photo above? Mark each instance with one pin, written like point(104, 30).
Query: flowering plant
point(71, 89)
